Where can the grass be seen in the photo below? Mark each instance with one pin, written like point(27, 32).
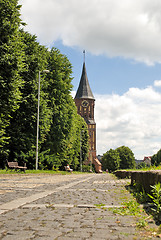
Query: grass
point(129, 208)
point(144, 218)
point(144, 169)
point(38, 172)
point(100, 206)
point(133, 208)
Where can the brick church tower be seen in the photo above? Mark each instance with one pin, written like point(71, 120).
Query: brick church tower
point(85, 102)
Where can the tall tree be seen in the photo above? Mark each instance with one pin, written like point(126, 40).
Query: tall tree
point(127, 159)
point(156, 158)
point(79, 141)
point(11, 64)
point(62, 140)
point(22, 128)
point(111, 160)
point(21, 58)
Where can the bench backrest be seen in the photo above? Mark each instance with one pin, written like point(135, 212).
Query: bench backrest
point(13, 164)
point(67, 168)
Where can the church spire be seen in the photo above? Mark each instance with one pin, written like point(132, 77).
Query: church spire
point(84, 90)
point(84, 52)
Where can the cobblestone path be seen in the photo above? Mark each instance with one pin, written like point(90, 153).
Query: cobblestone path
point(63, 207)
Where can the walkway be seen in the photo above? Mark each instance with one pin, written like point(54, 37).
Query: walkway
point(64, 207)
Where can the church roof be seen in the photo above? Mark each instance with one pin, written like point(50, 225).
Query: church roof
point(84, 90)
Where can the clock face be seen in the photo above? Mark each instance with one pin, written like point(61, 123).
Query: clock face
point(85, 103)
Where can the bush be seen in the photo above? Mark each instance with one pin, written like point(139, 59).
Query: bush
point(111, 160)
point(127, 159)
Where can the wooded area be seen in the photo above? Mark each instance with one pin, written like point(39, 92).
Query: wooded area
point(21, 59)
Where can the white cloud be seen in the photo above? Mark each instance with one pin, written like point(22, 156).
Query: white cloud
point(130, 29)
point(143, 95)
point(157, 83)
point(132, 119)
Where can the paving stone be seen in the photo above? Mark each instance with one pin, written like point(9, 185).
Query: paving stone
point(69, 207)
point(2, 211)
point(69, 238)
point(19, 235)
point(81, 233)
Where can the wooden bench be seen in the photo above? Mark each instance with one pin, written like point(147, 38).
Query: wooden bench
point(68, 169)
point(14, 165)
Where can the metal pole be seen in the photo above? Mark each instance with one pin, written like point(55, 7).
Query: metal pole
point(91, 161)
point(38, 106)
point(37, 137)
point(81, 151)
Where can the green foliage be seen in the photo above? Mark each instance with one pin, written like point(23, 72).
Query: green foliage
point(60, 104)
point(84, 139)
point(142, 165)
point(141, 223)
point(111, 160)
point(22, 57)
point(53, 171)
point(101, 206)
point(87, 168)
point(130, 208)
point(139, 193)
point(156, 158)
point(120, 158)
point(22, 128)
point(156, 198)
point(48, 161)
point(63, 139)
point(11, 64)
point(127, 159)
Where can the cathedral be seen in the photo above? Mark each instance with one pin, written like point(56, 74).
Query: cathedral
point(85, 103)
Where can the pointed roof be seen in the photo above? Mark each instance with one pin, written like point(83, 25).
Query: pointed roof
point(84, 90)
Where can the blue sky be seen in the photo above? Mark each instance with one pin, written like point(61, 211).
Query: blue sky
point(123, 62)
point(110, 75)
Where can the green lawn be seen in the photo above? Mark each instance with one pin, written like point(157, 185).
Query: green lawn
point(147, 168)
point(37, 172)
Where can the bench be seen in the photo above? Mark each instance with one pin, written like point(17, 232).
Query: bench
point(14, 165)
point(68, 169)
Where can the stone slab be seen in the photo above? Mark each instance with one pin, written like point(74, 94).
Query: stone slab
point(2, 211)
point(69, 206)
point(23, 201)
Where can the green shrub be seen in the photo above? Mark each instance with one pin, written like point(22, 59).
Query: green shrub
point(156, 198)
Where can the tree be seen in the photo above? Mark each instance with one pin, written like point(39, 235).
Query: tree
point(63, 140)
point(127, 159)
point(11, 64)
point(84, 139)
point(21, 58)
point(77, 143)
point(61, 105)
point(22, 128)
point(156, 158)
point(111, 160)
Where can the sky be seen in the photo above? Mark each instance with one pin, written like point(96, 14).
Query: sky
point(123, 62)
